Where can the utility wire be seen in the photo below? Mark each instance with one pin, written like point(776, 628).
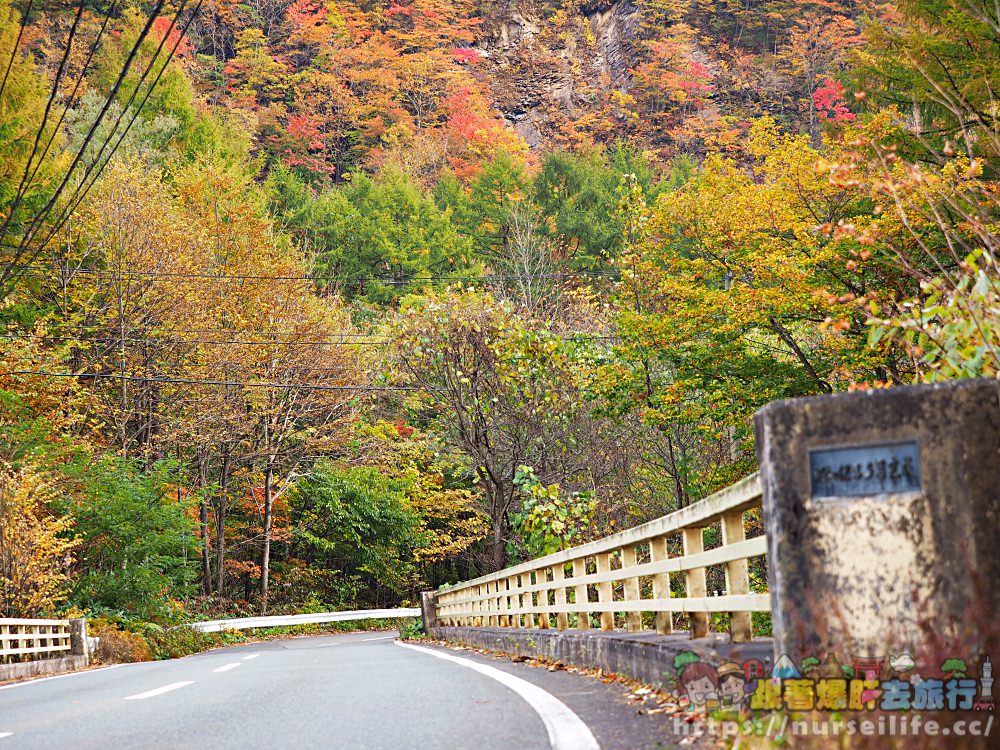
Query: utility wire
point(78, 197)
point(230, 342)
point(243, 366)
point(154, 329)
point(71, 100)
point(317, 277)
point(12, 269)
point(122, 75)
point(151, 328)
point(228, 383)
point(22, 188)
point(16, 47)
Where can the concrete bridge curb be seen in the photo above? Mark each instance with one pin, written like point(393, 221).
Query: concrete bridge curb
point(645, 656)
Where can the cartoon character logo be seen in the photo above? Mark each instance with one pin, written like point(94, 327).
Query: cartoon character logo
point(867, 667)
point(732, 685)
point(753, 670)
point(785, 669)
point(700, 683)
point(902, 663)
point(984, 702)
point(706, 687)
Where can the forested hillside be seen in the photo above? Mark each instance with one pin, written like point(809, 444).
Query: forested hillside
point(320, 303)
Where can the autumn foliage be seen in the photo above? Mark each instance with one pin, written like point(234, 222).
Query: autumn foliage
point(36, 547)
point(362, 298)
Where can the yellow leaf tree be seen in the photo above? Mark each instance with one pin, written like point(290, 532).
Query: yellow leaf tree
point(35, 549)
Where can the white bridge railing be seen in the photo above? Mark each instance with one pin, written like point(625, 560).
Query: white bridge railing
point(630, 574)
point(247, 623)
point(24, 640)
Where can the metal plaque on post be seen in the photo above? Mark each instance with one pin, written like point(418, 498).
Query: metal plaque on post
point(865, 470)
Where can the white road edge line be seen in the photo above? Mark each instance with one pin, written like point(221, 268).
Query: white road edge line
point(6, 734)
point(227, 667)
point(251, 656)
point(380, 638)
point(567, 731)
point(159, 691)
point(58, 677)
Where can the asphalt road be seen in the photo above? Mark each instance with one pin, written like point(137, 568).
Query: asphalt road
point(347, 692)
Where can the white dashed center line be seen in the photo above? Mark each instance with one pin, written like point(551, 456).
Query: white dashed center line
point(251, 656)
point(159, 691)
point(227, 667)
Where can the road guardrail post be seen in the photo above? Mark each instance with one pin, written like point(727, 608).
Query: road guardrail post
point(79, 646)
point(881, 509)
point(428, 610)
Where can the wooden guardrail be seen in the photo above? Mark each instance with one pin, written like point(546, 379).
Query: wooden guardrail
point(630, 572)
point(26, 640)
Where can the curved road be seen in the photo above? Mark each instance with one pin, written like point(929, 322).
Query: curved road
point(350, 692)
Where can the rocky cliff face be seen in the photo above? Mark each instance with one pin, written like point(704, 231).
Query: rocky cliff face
point(546, 63)
point(615, 27)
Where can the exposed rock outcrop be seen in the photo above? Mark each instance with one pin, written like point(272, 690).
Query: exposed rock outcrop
point(545, 63)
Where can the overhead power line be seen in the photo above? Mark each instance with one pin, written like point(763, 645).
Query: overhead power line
point(150, 328)
point(71, 101)
point(39, 219)
point(23, 186)
point(228, 383)
point(224, 342)
point(354, 279)
point(78, 197)
point(353, 339)
point(17, 45)
point(227, 366)
point(28, 248)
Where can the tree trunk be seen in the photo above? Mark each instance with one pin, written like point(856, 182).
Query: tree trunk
point(265, 561)
point(498, 517)
point(206, 550)
point(220, 526)
point(499, 548)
